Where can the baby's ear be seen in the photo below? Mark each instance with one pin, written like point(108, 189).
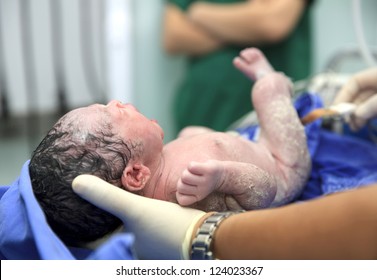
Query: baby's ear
point(135, 176)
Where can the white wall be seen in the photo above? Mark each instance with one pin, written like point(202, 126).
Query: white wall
point(334, 29)
point(155, 74)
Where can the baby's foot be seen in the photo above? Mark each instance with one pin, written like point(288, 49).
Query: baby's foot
point(253, 63)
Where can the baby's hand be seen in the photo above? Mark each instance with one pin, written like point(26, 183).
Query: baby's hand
point(198, 180)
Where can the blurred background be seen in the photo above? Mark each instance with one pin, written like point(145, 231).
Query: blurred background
point(56, 55)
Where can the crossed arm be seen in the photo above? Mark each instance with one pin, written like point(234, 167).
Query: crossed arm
point(206, 27)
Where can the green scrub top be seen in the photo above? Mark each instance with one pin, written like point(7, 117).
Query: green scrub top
point(215, 94)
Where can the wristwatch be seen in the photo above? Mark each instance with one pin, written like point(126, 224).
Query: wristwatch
point(201, 245)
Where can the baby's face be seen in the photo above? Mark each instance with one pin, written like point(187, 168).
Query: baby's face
point(126, 121)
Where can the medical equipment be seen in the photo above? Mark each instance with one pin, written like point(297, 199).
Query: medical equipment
point(333, 117)
point(342, 110)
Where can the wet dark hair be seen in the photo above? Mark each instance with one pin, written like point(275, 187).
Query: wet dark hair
point(59, 158)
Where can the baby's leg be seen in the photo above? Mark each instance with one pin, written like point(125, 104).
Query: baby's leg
point(253, 64)
point(281, 129)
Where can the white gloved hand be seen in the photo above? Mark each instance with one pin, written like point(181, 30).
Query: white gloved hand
point(364, 112)
point(361, 89)
point(163, 230)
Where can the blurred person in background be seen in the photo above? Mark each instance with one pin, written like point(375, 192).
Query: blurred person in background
point(211, 33)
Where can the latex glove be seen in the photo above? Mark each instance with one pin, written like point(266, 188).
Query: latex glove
point(361, 89)
point(163, 230)
point(364, 112)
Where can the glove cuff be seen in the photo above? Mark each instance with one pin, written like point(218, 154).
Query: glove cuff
point(185, 251)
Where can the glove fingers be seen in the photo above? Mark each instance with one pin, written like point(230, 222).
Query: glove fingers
point(367, 79)
point(160, 227)
point(368, 109)
point(107, 196)
point(123, 204)
point(348, 92)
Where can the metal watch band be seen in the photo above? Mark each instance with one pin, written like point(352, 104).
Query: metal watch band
point(200, 248)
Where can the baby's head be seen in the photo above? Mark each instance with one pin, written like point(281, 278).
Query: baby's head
point(81, 142)
point(101, 140)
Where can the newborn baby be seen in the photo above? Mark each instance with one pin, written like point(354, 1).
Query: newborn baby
point(204, 169)
point(222, 171)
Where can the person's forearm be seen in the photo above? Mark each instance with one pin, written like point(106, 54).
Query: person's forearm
point(180, 36)
point(339, 226)
point(250, 22)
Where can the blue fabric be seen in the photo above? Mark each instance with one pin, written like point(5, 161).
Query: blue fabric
point(25, 234)
point(339, 162)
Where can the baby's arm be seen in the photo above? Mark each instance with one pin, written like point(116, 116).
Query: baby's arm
point(252, 187)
